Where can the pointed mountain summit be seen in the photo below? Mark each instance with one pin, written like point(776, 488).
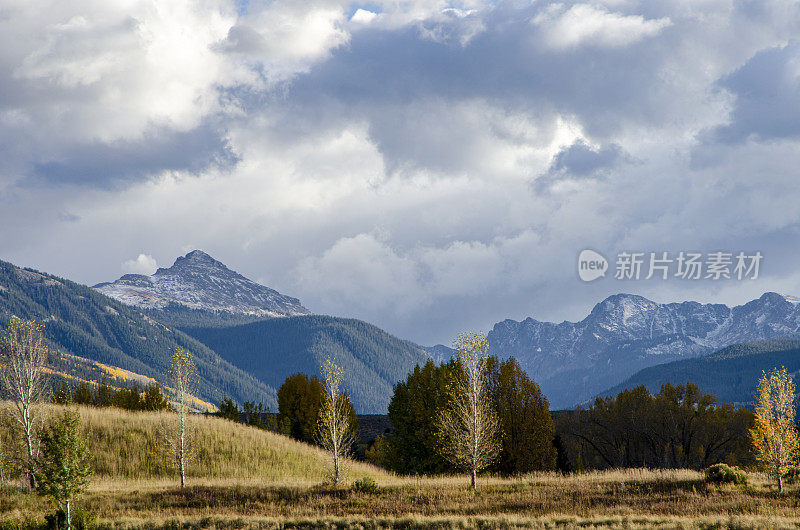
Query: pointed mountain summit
point(198, 281)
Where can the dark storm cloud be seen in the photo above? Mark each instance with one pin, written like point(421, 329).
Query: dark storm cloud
point(103, 165)
point(767, 97)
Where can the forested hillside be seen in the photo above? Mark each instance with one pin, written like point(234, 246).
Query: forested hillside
point(83, 322)
point(730, 373)
point(273, 349)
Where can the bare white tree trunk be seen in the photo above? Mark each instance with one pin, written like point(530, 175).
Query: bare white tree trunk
point(335, 431)
point(23, 356)
point(182, 450)
point(468, 426)
point(183, 376)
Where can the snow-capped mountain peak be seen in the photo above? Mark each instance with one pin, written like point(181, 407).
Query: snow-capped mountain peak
point(198, 281)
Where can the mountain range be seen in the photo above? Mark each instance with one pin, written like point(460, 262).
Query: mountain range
point(247, 338)
point(574, 361)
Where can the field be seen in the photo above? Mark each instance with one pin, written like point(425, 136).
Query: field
point(246, 477)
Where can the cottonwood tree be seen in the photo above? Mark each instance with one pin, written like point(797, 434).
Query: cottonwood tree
point(23, 358)
point(774, 435)
point(335, 429)
point(468, 424)
point(182, 375)
point(64, 467)
point(300, 399)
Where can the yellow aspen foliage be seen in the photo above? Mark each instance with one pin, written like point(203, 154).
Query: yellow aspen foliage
point(774, 435)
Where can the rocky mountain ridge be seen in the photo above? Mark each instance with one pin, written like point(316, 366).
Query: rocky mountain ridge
point(199, 282)
point(572, 361)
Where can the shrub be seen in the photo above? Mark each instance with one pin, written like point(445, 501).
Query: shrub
point(792, 475)
point(365, 485)
point(725, 474)
point(81, 519)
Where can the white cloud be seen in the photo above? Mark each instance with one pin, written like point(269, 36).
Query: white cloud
point(363, 16)
point(143, 264)
point(585, 24)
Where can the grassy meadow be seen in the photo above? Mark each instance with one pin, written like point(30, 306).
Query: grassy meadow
point(245, 477)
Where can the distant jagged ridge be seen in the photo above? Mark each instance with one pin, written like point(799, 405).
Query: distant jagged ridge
point(574, 361)
point(83, 322)
point(199, 282)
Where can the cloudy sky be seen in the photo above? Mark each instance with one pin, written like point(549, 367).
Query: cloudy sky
point(426, 165)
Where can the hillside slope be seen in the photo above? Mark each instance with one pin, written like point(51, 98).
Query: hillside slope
point(125, 445)
point(273, 349)
point(81, 321)
point(731, 373)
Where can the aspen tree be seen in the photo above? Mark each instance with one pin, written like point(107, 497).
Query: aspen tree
point(774, 435)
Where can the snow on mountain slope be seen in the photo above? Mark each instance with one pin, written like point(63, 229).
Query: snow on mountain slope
point(198, 281)
point(624, 333)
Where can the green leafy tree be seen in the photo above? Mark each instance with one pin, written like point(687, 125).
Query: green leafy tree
point(524, 417)
point(678, 427)
point(300, 399)
point(64, 468)
point(411, 447)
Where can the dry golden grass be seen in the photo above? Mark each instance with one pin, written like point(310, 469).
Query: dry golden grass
point(126, 447)
point(245, 477)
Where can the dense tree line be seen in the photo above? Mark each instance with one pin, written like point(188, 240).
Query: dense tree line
point(300, 400)
point(254, 414)
point(105, 395)
point(526, 427)
point(680, 427)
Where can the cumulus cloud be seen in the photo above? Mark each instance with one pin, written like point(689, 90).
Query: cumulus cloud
point(363, 16)
point(380, 166)
point(585, 24)
point(143, 264)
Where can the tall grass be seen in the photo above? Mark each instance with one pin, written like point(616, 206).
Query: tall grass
point(128, 445)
